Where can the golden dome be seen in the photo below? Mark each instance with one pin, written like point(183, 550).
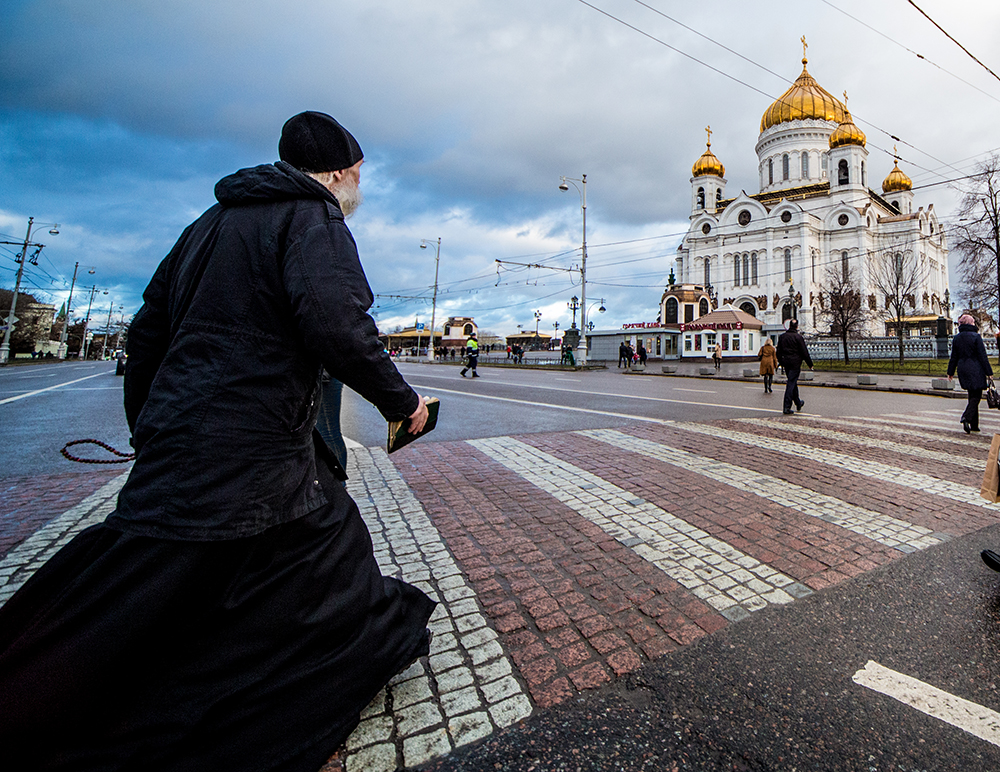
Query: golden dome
point(708, 163)
point(896, 180)
point(806, 99)
point(847, 134)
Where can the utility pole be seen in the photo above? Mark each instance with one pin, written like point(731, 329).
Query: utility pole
point(61, 351)
point(11, 318)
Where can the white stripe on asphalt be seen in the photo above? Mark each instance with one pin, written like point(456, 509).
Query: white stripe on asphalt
point(50, 388)
point(967, 716)
point(589, 410)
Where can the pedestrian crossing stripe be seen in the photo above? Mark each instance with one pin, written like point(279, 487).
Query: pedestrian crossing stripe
point(730, 581)
point(883, 529)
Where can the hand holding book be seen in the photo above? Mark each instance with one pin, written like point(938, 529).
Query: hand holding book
point(399, 431)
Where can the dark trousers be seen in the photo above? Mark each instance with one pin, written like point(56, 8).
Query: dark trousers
point(792, 388)
point(768, 380)
point(971, 413)
point(471, 364)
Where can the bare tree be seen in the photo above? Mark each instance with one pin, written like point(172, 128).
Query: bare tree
point(897, 275)
point(976, 238)
point(842, 310)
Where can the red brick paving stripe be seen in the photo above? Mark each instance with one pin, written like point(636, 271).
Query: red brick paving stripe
point(566, 599)
point(802, 547)
point(28, 503)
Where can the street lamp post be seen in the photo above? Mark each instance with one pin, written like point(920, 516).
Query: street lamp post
point(437, 263)
point(121, 327)
point(86, 323)
point(538, 317)
point(582, 188)
point(5, 346)
point(107, 331)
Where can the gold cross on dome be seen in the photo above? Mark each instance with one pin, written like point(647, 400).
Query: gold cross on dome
point(805, 45)
point(845, 97)
point(708, 130)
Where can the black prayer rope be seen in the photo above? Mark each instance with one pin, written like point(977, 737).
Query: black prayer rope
point(125, 457)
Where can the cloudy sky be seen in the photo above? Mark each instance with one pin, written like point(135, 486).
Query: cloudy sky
point(117, 118)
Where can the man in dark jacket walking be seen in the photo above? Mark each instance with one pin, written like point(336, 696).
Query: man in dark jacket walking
point(968, 357)
point(792, 352)
point(229, 614)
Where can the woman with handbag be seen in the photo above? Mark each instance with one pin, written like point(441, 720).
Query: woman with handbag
point(768, 356)
point(968, 357)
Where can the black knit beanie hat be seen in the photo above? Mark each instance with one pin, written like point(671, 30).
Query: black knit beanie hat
point(315, 142)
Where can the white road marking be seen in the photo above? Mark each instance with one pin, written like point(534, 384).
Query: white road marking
point(352, 443)
point(588, 410)
point(967, 716)
point(49, 388)
point(696, 391)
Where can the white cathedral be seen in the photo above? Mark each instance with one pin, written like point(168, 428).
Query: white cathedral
point(761, 253)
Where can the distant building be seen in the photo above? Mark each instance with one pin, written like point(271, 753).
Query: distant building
point(457, 330)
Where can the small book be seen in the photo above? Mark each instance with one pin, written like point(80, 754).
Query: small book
point(399, 431)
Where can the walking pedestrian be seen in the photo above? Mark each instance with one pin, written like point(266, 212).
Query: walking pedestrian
point(472, 352)
point(229, 614)
point(768, 356)
point(717, 356)
point(642, 354)
point(792, 352)
point(623, 355)
point(968, 357)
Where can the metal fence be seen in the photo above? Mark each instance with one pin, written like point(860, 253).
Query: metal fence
point(888, 348)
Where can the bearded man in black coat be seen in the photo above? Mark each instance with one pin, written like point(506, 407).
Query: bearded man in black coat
point(229, 614)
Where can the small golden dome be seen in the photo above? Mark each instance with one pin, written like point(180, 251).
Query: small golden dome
point(708, 163)
point(896, 180)
point(805, 100)
point(847, 133)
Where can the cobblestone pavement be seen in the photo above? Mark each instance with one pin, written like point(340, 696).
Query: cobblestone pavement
point(563, 561)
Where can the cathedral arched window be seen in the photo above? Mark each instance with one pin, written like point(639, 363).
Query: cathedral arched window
point(736, 270)
point(844, 265)
point(895, 205)
point(788, 265)
point(784, 166)
point(746, 269)
point(753, 267)
point(718, 197)
point(805, 166)
point(843, 175)
point(864, 178)
point(671, 311)
point(703, 307)
point(823, 163)
point(701, 198)
point(770, 171)
point(708, 272)
point(899, 266)
point(748, 308)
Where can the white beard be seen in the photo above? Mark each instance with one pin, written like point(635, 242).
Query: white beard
point(348, 195)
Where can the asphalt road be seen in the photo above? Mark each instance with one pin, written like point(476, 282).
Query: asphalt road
point(513, 401)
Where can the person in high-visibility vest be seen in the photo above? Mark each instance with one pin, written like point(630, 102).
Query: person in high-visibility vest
point(472, 352)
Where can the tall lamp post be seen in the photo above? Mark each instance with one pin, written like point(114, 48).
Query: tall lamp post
point(582, 188)
point(11, 318)
point(437, 263)
point(86, 323)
